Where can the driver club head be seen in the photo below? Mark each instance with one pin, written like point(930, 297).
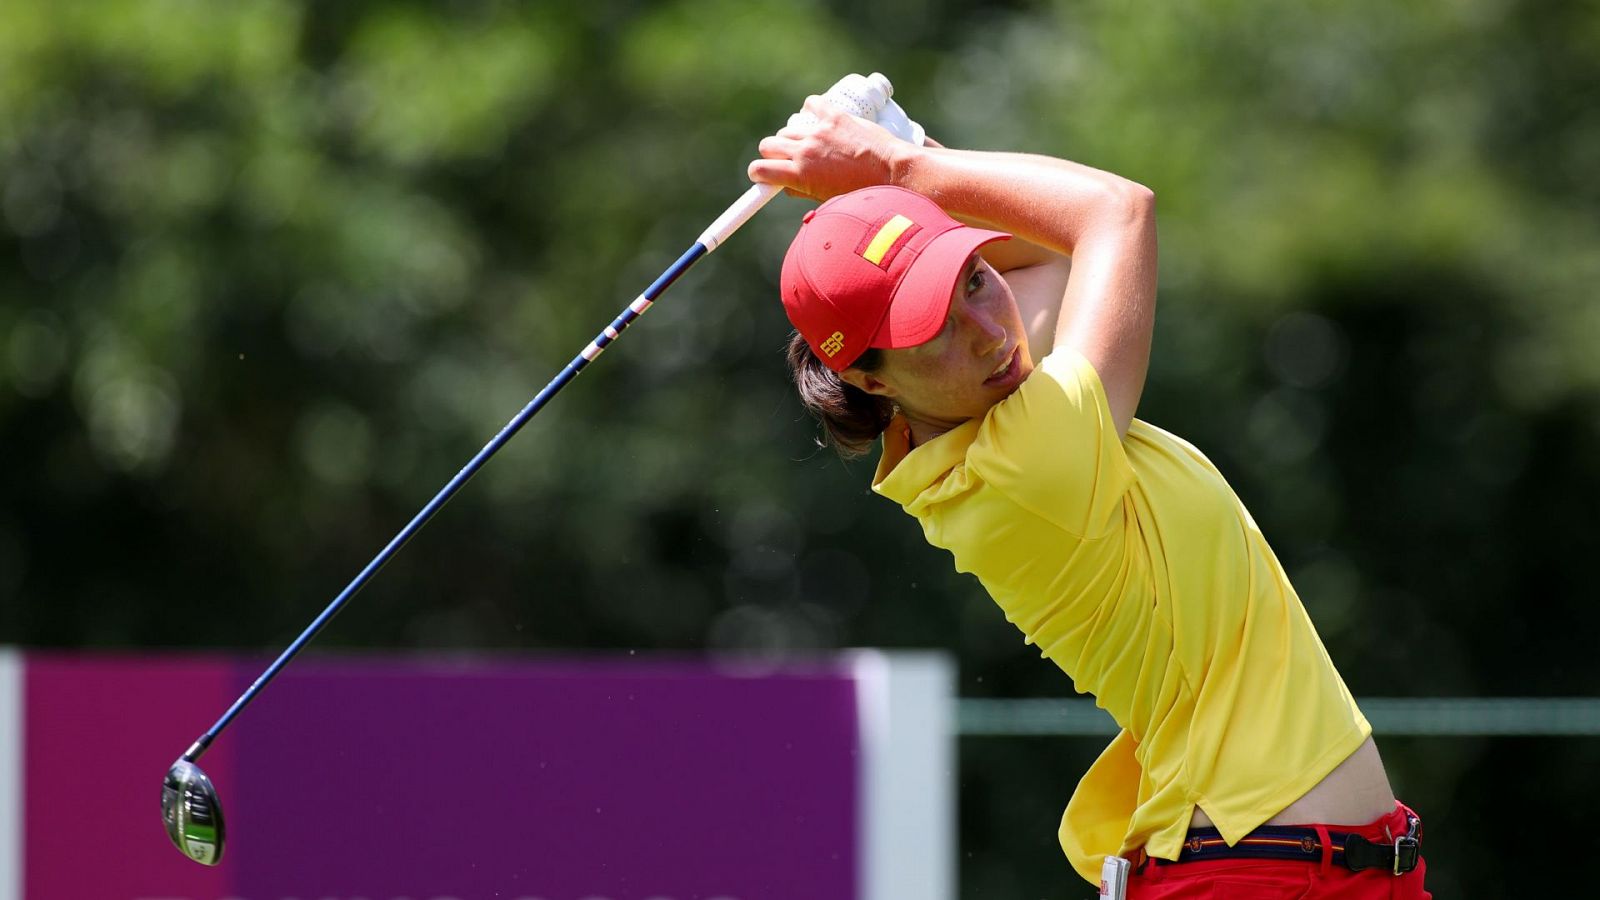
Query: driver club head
point(192, 813)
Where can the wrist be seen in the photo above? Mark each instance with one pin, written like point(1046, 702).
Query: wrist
point(904, 160)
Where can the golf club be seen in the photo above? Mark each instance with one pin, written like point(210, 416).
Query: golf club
point(189, 804)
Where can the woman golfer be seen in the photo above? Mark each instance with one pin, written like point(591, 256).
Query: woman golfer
point(1002, 381)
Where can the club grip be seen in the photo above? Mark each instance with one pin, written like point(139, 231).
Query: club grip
point(748, 204)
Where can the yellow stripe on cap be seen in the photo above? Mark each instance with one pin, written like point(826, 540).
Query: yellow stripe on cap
point(885, 238)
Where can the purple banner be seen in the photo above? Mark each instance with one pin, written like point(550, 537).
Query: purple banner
point(94, 728)
point(383, 779)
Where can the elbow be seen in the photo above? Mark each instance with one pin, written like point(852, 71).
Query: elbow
point(1135, 203)
point(1125, 209)
point(1146, 197)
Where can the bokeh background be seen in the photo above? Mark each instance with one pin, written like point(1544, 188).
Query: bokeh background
point(271, 271)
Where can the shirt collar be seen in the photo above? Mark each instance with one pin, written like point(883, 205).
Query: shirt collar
point(904, 472)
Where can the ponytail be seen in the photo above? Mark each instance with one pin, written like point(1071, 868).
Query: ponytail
point(852, 419)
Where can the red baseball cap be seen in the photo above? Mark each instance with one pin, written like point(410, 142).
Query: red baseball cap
point(875, 268)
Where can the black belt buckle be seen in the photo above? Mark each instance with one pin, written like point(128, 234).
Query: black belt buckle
point(1408, 846)
point(1407, 850)
point(1399, 858)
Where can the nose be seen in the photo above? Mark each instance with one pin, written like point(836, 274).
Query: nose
point(988, 335)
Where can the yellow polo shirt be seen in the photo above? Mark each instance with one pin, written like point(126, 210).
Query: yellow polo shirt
point(1134, 567)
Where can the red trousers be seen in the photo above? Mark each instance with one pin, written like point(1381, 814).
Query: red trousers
point(1272, 879)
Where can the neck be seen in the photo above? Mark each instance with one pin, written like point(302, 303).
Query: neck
point(923, 428)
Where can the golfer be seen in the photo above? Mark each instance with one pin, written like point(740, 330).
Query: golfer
point(999, 360)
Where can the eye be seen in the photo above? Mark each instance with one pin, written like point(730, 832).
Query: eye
point(975, 281)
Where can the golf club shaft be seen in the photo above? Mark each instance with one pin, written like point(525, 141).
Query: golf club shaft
point(727, 223)
point(866, 97)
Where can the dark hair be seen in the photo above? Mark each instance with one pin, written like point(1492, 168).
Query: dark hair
point(851, 418)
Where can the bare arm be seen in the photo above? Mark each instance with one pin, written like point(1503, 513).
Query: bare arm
point(1037, 276)
point(1104, 223)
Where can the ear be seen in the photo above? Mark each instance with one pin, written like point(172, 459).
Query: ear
point(867, 381)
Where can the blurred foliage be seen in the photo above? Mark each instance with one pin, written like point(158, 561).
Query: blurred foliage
point(271, 271)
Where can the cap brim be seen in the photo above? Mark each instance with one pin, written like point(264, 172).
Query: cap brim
point(922, 299)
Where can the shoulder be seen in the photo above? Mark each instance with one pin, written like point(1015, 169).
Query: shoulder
point(1053, 447)
point(1062, 392)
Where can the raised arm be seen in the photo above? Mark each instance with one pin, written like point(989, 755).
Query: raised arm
point(1103, 222)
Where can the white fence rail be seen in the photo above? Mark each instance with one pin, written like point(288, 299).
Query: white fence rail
point(1420, 716)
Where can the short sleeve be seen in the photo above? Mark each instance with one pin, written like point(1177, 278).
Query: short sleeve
point(1053, 448)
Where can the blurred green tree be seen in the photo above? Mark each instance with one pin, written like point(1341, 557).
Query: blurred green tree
point(270, 271)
